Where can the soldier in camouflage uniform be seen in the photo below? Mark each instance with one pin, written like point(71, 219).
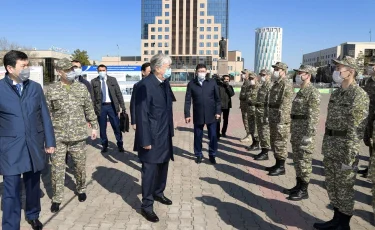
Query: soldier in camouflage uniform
point(370, 90)
point(345, 124)
point(243, 104)
point(372, 176)
point(251, 98)
point(280, 104)
point(70, 106)
point(305, 117)
point(261, 113)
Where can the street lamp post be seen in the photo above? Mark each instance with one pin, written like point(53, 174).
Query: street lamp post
point(118, 54)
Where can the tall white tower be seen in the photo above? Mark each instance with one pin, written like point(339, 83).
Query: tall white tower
point(268, 47)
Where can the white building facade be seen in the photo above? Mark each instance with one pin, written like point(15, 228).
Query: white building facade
point(268, 47)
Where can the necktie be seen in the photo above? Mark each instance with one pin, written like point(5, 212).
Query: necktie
point(18, 86)
point(104, 92)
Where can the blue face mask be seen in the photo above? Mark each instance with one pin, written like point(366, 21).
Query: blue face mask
point(167, 73)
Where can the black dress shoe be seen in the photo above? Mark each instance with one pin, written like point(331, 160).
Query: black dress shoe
point(35, 224)
point(82, 197)
point(163, 200)
point(198, 160)
point(121, 149)
point(212, 160)
point(150, 216)
point(104, 149)
point(55, 207)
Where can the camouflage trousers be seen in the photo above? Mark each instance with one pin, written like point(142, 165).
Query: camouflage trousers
point(302, 157)
point(340, 159)
point(251, 121)
point(279, 135)
point(372, 176)
point(245, 119)
point(77, 151)
point(263, 131)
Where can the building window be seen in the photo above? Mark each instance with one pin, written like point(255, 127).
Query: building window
point(152, 52)
point(216, 29)
point(152, 29)
point(166, 52)
point(208, 44)
point(201, 5)
point(216, 44)
point(160, 44)
point(160, 52)
point(209, 29)
point(238, 59)
point(208, 36)
point(216, 36)
point(201, 36)
point(216, 52)
point(166, 22)
point(166, 6)
point(145, 45)
point(145, 52)
point(166, 29)
point(209, 21)
point(166, 14)
point(153, 44)
point(201, 29)
point(160, 37)
point(166, 44)
point(145, 59)
point(208, 52)
point(160, 21)
point(166, 37)
point(201, 44)
point(201, 21)
point(160, 29)
point(201, 52)
point(152, 36)
point(201, 13)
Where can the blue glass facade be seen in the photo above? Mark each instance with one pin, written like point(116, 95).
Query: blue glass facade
point(220, 10)
point(267, 47)
point(150, 9)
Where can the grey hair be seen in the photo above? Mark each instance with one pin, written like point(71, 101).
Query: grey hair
point(159, 60)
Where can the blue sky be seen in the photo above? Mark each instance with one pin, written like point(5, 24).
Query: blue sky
point(98, 26)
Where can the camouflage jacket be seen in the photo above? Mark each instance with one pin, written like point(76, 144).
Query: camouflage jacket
point(243, 92)
point(370, 90)
point(347, 111)
point(251, 96)
point(306, 103)
point(262, 99)
point(70, 108)
point(280, 101)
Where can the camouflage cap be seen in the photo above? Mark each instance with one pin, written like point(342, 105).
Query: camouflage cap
point(64, 64)
point(307, 69)
point(252, 74)
point(347, 61)
point(372, 61)
point(280, 65)
point(245, 71)
point(265, 71)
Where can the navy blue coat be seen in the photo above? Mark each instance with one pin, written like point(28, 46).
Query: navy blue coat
point(206, 101)
point(25, 128)
point(153, 110)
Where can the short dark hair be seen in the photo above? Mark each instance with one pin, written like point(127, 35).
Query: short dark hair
point(226, 75)
point(12, 57)
point(101, 65)
point(145, 65)
point(75, 60)
point(200, 66)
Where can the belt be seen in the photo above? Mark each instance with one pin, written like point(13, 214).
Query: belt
point(335, 133)
point(106, 103)
point(298, 116)
point(274, 106)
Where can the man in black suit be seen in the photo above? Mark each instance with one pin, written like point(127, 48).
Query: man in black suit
point(146, 70)
point(226, 92)
point(154, 132)
point(108, 100)
point(206, 111)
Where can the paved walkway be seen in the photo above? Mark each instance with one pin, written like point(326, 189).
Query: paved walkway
point(234, 194)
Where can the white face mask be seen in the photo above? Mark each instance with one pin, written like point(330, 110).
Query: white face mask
point(276, 75)
point(24, 74)
point(103, 74)
point(243, 76)
point(299, 80)
point(336, 76)
point(70, 76)
point(252, 82)
point(78, 71)
point(263, 79)
point(201, 76)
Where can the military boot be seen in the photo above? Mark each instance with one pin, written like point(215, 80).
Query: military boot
point(254, 145)
point(344, 222)
point(262, 155)
point(363, 172)
point(332, 224)
point(295, 188)
point(300, 194)
point(271, 168)
point(246, 139)
point(279, 169)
